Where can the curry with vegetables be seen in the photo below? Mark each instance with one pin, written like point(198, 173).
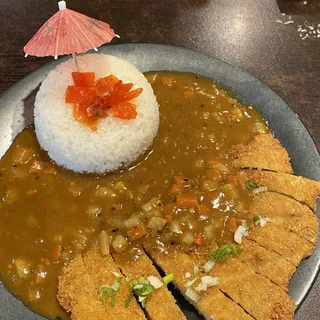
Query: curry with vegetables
point(183, 191)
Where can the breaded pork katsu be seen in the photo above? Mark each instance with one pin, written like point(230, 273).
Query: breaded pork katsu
point(244, 280)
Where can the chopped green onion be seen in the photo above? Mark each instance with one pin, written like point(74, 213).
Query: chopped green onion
point(133, 282)
point(256, 219)
point(251, 185)
point(141, 287)
point(168, 278)
point(146, 290)
point(129, 297)
point(110, 291)
point(106, 292)
point(116, 284)
point(224, 252)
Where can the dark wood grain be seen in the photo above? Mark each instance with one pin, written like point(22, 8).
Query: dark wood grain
point(244, 32)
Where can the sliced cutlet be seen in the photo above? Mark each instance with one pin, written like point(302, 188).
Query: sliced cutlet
point(77, 294)
point(299, 188)
point(100, 269)
point(214, 306)
point(288, 213)
point(160, 305)
point(286, 243)
point(262, 152)
point(257, 295)
point(266, 263)
point(233, 274)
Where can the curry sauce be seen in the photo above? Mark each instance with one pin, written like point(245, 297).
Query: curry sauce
point(183, 191)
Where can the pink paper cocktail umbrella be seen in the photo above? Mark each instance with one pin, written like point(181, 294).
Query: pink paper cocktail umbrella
point(68, 32)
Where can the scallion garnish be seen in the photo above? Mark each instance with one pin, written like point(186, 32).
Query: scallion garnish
point(110, 291)
point(141, 287)
point(256, 219)
point(251, 185)
point(145, 290)
point(168, 278)
point(224, 252)
point(130, 295)
point(106, 292)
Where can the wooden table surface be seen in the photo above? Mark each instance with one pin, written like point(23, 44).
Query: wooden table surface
point(277, 41)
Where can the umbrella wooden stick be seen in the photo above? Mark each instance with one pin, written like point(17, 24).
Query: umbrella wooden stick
point(75, 61)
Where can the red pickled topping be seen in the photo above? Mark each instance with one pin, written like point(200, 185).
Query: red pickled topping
point(80, 114)
point(80, 95)
point(92, 99)
point(125, 110)
point(83, 79)
point(125, 87)
point(106, 84)
point(120, 96)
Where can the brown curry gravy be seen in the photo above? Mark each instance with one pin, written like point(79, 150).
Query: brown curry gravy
point(45, 208)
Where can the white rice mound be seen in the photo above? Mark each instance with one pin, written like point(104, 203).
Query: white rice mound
point(116, 142)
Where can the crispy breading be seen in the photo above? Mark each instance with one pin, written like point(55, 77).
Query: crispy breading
point(280, 306)
point(77, 294)
point(287, 244)
point(267, 263)
point(160, 299)
point(299, 188)
point(216, 305)
point(100, 269)
point(219, 307)
point(262, 152)
point(261, 298)
point(290, 214)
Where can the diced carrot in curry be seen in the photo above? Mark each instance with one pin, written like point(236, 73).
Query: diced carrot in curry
point(232, 224)
point(213, 174)
point(137, 232)
point(199, 240)
point(83, 79)
point(202, 209)
point(181, 180)
point(176, 189)
point(187, 201)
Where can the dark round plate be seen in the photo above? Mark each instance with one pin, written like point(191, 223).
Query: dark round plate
point(16, 112)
